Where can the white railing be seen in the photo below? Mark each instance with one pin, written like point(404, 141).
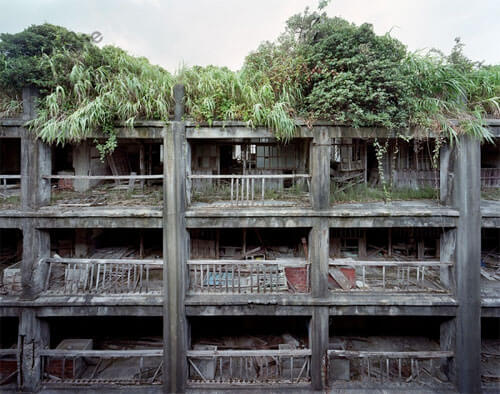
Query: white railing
point(404, 276)
point(402, 367)
point(248, 276)
point(249, 189)
point(72, 276)
point(93, 366)
point(4, 186)
point(249, 366)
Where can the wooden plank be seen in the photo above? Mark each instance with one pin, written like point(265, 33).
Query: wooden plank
point(340, 278)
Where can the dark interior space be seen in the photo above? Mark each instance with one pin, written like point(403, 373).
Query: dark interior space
point(106, 329)
point(364, 326)
point(9, 327)
point(224, 329)
point(123, 242)
point(249, 243)
point(10, 158)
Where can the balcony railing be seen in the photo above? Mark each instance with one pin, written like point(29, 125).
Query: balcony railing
point(102, 366)
point(248, 276)
point(490, 177)
point(401, 367)
point(246, 190)
point(249, 366)
point(398, 276)
point(72, 276)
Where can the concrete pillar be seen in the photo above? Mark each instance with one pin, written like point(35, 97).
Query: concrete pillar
point(445, 174)
point(175, 251)
point(81, 164)
point(36, 161)
point(33, 336)
point(320, 168)
point(319, 243)
point(447, 246)
point(36, 245)
point(319, 346)
point(447, 341)
point(466, 197)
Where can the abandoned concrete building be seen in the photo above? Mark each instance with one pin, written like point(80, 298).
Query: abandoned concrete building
point(199, 258)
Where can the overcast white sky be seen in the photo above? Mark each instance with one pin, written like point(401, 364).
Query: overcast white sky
point(222, 32)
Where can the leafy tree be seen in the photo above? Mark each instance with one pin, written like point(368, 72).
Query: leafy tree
point(22, 54)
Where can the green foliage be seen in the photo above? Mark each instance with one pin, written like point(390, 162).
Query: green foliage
point(97, 88)
point(319, 68)
point(365, 193)
point(453, 94)
point(21, 54)
point(217, 93)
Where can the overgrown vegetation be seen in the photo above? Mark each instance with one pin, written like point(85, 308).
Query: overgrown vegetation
point(319, 68)
point(365, 193)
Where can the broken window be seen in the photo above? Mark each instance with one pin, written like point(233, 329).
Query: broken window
point(10, 172)
point(11, 253)
point(387, 259)
point(98, 183)
point(383, 352)
point(253, 350)
point(105, 261)
point(490, 352)
point(119, 350)
point(248, 172)
point(8, 345)
point(249, 261)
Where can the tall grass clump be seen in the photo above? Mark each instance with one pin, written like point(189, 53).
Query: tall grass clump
point(104, 86)
point(217, 93)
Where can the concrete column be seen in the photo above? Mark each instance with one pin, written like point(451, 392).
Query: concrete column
point(319, 346)
point(320, 168)
point(36, 245)
point(445, 174)
point(466, 197)
point(319, 243)
point(36, 161)
point(81, 164)
point(33, 336)
point(447, 246)
point(175, 251)
point(447, 341)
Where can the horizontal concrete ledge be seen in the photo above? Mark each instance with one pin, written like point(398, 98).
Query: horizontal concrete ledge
point(60, 388)
point(332, 300)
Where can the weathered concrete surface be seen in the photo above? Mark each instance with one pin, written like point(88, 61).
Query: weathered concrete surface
point(33, 336)
point(466, 197)
point(36, 245)
point(175, 246)
point(319, 346)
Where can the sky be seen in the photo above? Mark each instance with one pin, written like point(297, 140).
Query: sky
point(173, 33)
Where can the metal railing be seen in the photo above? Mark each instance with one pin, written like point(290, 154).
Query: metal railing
point(102, 366)
point(70, 276)
point(404, 276)
point(249, 366)
point(247, 190)
point(393, 366)
point(248, 276)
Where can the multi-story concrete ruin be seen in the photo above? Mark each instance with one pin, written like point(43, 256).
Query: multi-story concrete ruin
point(201, 258)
